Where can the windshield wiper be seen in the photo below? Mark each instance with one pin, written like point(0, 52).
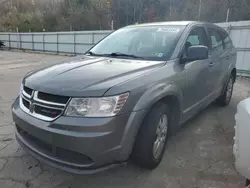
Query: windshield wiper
point(91, 53)
point(117, 54)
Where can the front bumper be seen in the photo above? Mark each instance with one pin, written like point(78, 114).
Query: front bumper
point(78, 145)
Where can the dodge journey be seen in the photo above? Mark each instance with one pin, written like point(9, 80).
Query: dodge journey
point(125, 96)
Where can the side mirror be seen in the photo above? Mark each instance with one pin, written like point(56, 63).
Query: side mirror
point(196, 53)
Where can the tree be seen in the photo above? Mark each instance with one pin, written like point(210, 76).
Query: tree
point(65, 15)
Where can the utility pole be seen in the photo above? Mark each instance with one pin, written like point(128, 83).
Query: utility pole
point(242, 3)
point(134, 10)
point(200, 10)
point(228, 12)
point(112, 25)
point(170, 8)
point(127, 12)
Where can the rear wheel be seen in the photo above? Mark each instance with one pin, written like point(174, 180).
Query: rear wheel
point(152, 137)
point(226, 96)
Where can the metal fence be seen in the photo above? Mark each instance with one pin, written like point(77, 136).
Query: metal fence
point(240, 35)
point(80, 42)
point(58, 42)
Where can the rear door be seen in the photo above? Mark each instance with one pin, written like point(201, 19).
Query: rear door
point(217, 55)
point(229, 56)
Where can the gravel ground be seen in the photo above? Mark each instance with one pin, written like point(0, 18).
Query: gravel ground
point(199, 156)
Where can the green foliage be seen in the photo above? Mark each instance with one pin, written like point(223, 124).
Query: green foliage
point(65, 15)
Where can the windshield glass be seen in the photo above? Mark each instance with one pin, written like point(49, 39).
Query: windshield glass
point(149, 43)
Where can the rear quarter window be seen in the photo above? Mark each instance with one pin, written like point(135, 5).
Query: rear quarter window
point(227, 42)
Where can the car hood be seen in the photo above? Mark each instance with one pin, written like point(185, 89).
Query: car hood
point(91, 76)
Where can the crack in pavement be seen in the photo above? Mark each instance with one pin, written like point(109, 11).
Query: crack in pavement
point(11, 179)
point(6, 161)
point(5, 125)
point(6, 145)
point(26, 183)
point(8, 134)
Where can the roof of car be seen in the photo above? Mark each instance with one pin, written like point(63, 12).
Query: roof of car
point(183, 23)
point(164, 23)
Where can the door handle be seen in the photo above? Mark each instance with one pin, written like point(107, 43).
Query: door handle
point(227, 57)
point(211, 64)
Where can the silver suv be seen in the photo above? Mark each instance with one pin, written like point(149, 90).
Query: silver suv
point(125, 96)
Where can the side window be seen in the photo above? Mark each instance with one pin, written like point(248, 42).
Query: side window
point(227, 43)
point(197, 36)
point(216, 43)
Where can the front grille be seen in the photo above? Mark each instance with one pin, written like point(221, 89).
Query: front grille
point(27, 90)
point(53, 151)
point(42, 105)
point(53, 98)
point(49, 112)
point(26, 103)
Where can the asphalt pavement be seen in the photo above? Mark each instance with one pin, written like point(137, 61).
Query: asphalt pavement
point(199, 156)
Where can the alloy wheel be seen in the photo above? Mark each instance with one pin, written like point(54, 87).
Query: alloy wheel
point(161, 134)
point(229, 90)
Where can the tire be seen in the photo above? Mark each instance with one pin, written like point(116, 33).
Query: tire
point(247, 182)
point(153, 134)
point(226, 96)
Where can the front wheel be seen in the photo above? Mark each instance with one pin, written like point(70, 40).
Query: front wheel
point(226, 96)
point(247, 183)
point(152, 137)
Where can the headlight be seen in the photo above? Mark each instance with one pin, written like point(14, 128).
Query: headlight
point(96, 107)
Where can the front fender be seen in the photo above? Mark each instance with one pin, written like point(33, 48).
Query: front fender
point(145, 102)
point(156, 93)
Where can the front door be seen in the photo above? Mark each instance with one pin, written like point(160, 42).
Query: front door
point(217, 56)
point(198, 83)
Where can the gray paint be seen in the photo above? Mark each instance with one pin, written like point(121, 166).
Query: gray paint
point(110, 140)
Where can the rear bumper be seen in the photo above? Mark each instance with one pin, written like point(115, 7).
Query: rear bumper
point(78, 145)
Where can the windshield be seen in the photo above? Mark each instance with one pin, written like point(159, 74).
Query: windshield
point(149, 43)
